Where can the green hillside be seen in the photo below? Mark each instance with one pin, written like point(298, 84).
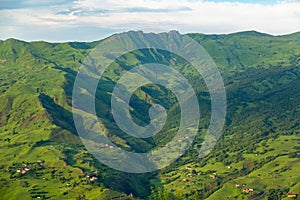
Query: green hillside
point(43, 157)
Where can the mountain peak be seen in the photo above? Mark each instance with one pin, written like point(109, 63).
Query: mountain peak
point(252, 33)
point(13, 40)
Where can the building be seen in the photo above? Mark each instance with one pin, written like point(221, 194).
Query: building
point(292, 195)
point(93, 178)
point(245, 190)
point(191, 175)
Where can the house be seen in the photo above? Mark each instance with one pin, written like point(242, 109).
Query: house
point(245, 190)
point(190, 175)
point(188, 168)
point(40, 162)
point(185, 180)
point(93, 178)
point(212, 176)
point(292, 195)
point(237, 185)
point(23, 171)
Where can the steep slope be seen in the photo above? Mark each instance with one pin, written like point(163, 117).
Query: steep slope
point(260, 146)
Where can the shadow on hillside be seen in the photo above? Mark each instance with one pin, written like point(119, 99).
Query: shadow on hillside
point(65, 132)
point(136, 184)
point(60, 116)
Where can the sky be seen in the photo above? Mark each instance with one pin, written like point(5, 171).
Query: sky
point(90, 20)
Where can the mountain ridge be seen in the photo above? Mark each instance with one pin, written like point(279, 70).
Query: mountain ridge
point(246, 32)
point(259, 147)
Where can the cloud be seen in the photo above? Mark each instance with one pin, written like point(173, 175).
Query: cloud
point(18, 4)
point(145, 9)
point(94, 18)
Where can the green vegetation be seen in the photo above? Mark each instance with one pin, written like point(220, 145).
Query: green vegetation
point(42, 156)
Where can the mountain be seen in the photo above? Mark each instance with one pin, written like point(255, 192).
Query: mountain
point(43, 157)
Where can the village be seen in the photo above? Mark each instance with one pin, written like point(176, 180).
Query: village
point(242, 186)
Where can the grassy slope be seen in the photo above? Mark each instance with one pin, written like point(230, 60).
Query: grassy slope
point(27, 70)
point(31, 129)
point(261, 92)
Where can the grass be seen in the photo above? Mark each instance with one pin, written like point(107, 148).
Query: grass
point(261, 74)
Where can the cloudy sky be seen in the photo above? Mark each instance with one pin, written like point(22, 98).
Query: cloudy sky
point(88, 20)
